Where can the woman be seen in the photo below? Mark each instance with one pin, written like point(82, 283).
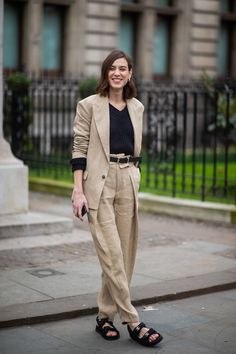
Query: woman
point(105, 161)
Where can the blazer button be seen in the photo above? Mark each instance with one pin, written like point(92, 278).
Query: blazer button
point(103, 176)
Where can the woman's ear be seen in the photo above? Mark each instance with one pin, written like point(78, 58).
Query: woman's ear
point(130, 74)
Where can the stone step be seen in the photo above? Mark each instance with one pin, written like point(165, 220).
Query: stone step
point(18, 243)
point(32, 224)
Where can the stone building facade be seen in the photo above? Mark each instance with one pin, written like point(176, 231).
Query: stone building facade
point(168, 39)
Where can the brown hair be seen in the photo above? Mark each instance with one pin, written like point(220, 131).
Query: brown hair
point(129, 90)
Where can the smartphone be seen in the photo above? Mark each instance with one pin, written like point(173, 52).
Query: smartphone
point(84, 210)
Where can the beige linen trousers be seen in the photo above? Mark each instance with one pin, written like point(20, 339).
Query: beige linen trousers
point(111, 190)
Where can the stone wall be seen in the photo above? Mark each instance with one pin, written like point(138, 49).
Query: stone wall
point(91, 32)
point(101, 33)
point(204, 37)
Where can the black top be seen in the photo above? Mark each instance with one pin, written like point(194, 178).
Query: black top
point(121, 136)
point(121, 131)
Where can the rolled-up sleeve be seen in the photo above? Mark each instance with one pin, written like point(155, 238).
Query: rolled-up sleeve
point(81, 131)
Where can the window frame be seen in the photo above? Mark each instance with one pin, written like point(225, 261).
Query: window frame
point(63, 12)
point(169, 12)
point(229, 19)
point(20, 10)
point(134, 10)
point(134, 24)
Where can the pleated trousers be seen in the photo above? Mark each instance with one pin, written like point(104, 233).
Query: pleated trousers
point(115, 233)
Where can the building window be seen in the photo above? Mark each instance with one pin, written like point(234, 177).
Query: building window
point(161, 47)
point(128, 1)
point(128, 26)
point(126, 34)
point(226, 6)
point(226, 42)
point(52, 37)
point(11, 37)
point(166, 12)
point(163, 3)
point(223, 50)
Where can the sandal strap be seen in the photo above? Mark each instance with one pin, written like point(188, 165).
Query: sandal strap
point(101, 322)
point(107, 329)
point(149, 333)
point(137, 329)
point(110, 323)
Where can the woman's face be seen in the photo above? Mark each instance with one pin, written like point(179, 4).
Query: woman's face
point(119, 74)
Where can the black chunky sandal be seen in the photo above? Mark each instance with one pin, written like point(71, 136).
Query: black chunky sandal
point(104, 330)
point(144, 340)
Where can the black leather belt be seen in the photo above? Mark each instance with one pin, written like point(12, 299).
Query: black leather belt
point(126, 159)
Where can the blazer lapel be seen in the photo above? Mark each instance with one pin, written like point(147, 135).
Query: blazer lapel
point(135, 119)
point(101, 117)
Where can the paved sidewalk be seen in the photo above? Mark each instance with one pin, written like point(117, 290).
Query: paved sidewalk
point(57, 276)
point(198, 325)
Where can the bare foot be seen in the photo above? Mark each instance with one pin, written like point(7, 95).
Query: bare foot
point(110, 333)
point(106, 329)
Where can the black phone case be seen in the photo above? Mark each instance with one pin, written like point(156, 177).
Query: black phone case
point(84, 210)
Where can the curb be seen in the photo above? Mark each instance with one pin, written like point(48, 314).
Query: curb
point(81, 305)
point(39, 184)
point(187, 208)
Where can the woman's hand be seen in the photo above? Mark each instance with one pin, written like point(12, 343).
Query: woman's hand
point(78, 201)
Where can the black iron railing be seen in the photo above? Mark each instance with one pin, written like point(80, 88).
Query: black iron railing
point(189, 140)
point(40, 132)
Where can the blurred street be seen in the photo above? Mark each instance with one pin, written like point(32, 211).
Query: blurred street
point(200, 325)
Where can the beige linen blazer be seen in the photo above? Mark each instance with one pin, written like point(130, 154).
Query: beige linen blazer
point(92, 141)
